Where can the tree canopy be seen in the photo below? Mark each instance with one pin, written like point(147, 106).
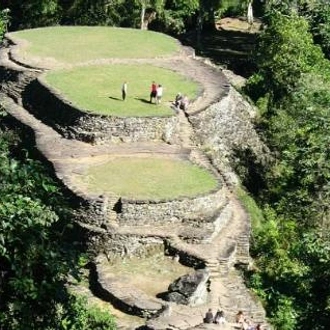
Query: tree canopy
point(292, 89)
point(38, 250)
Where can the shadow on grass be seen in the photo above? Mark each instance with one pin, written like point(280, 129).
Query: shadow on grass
point(142, 100)
point(115, 98)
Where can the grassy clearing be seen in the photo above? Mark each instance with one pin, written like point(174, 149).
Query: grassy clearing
point(149, 178)
point(98, 88)
point(151, 274)
point(76, 44)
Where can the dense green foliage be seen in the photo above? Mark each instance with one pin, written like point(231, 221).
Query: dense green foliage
point(4, 19)
point(171, 16)
point(319, 17)
point(283, 59)
point(292, 244)
point(37, 247)
point(177, 17)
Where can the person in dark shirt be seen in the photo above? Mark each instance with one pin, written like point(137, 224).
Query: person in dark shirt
point(208, 316)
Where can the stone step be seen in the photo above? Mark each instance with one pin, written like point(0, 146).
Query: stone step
point(212, 263)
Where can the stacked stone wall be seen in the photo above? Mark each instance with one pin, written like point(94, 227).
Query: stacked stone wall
point(116, 246)
point(52, 108)
point(13, 81)
point(201, 208)
point(227, 126)
point(92, 211)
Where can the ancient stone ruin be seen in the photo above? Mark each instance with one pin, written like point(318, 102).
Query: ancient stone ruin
point(208, 233)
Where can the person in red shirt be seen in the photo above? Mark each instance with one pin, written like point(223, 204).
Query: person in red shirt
point(153, 92)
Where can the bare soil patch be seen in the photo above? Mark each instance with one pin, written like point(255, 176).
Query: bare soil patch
point(151, 274)
point(238, 24)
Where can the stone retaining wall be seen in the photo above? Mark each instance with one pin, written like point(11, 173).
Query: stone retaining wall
point(227, 126)
point(201, 208)
point(116, 246)
point(92, 211)
point(13, 81)
point(52, 108)
point(199, 211)
point(186, 258)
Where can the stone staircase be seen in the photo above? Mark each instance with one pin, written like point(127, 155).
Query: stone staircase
point(185, 131)
point(235, 297)
point(111, 204)
point(213, 266)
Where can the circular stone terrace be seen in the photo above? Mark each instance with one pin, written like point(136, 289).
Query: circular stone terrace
point(80, 97)
point(74, 137)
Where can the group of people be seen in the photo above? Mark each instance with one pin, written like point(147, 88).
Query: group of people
point(156, 94)
point(243, 322)
point(218, 318)
point(246, 323)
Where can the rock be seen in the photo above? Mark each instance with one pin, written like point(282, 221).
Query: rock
point(190, 289)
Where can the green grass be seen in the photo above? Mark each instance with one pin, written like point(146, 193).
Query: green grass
point(82, 43)
point(98, 88)
point(149, 178)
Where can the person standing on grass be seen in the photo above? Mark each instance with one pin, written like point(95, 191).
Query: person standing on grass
point(124, 90)
point(159, 94)
point(153, 92)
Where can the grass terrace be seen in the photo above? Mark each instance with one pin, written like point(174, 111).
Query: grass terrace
point(72, 45)
point(152, 274)
point(149, 178)
point(99, 88)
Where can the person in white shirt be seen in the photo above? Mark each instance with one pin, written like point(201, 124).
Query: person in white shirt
point(159, 94)
point(124, 90)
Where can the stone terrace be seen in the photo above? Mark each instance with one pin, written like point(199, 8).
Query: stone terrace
point(216, 241)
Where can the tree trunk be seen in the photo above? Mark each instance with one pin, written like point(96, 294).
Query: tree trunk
point(143, 12)
point(250, 13)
